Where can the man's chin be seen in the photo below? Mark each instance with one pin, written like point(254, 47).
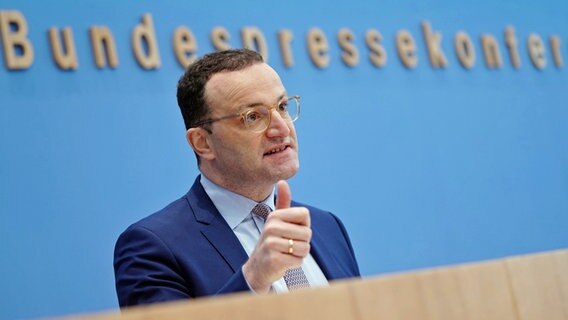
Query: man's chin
point(287, 173)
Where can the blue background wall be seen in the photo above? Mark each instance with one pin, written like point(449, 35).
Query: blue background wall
point(426, 167)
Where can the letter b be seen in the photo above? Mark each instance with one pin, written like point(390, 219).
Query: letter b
point(18, 50)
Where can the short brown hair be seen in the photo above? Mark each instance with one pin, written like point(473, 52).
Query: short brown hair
point(191, 86)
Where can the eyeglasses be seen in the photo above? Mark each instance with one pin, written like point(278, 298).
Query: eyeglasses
point(257, 119)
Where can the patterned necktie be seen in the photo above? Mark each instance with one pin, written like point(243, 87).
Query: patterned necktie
point(295, 278)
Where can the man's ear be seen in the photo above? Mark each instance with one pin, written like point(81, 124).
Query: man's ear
point(198, 139)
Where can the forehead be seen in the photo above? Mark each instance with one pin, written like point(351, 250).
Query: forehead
point(257, 84)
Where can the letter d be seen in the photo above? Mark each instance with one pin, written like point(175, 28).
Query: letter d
point(145, 32)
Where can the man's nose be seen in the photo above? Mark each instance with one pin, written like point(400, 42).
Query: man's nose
point(278, 126)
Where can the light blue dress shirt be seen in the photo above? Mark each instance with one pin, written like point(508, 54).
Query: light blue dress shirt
point(237, 211)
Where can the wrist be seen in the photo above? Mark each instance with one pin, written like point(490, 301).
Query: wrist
point(253, 283)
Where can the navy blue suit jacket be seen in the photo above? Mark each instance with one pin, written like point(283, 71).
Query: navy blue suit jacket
point(187, 250)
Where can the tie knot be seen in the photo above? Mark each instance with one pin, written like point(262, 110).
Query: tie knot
point(262, 210)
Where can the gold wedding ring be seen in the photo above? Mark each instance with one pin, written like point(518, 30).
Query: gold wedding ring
point(290, 246)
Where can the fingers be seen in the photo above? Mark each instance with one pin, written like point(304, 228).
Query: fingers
point(284, 195)
point(292, 247)
point(282, 229)
point(288, 224)
point(296, 215)
point(285, 224)
point(270, 259)
point(289, 261)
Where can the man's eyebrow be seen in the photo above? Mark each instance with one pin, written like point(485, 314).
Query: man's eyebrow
point(258, 104)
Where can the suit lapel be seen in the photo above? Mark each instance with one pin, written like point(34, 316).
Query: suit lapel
point(215, 228)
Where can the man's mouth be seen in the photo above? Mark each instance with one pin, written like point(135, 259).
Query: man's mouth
point(276, 150)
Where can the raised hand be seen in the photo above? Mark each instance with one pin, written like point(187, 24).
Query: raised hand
point(272, 255)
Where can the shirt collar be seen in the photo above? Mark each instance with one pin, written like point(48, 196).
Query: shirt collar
point(232, 206)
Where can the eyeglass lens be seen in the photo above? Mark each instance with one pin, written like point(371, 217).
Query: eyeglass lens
point(258, 119)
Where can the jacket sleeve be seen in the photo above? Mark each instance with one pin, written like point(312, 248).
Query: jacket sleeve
point(146, 271)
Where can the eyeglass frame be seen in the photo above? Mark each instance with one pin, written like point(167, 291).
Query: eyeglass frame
point(242, 114)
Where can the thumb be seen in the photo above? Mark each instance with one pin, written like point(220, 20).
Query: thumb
point(284, 195)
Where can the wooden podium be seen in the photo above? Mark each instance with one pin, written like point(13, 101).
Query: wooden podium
point(531, 287)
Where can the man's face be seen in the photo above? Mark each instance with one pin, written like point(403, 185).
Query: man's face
point(243, 157)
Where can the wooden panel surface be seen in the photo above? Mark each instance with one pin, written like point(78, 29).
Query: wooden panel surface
point(395, 297)
point(532, 287)
point(485, 291)
point(540, 285)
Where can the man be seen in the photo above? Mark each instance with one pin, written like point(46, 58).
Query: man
point(230, 232)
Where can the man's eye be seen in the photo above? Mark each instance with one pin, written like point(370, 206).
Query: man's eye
point(252, 116)
point(283, 107)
